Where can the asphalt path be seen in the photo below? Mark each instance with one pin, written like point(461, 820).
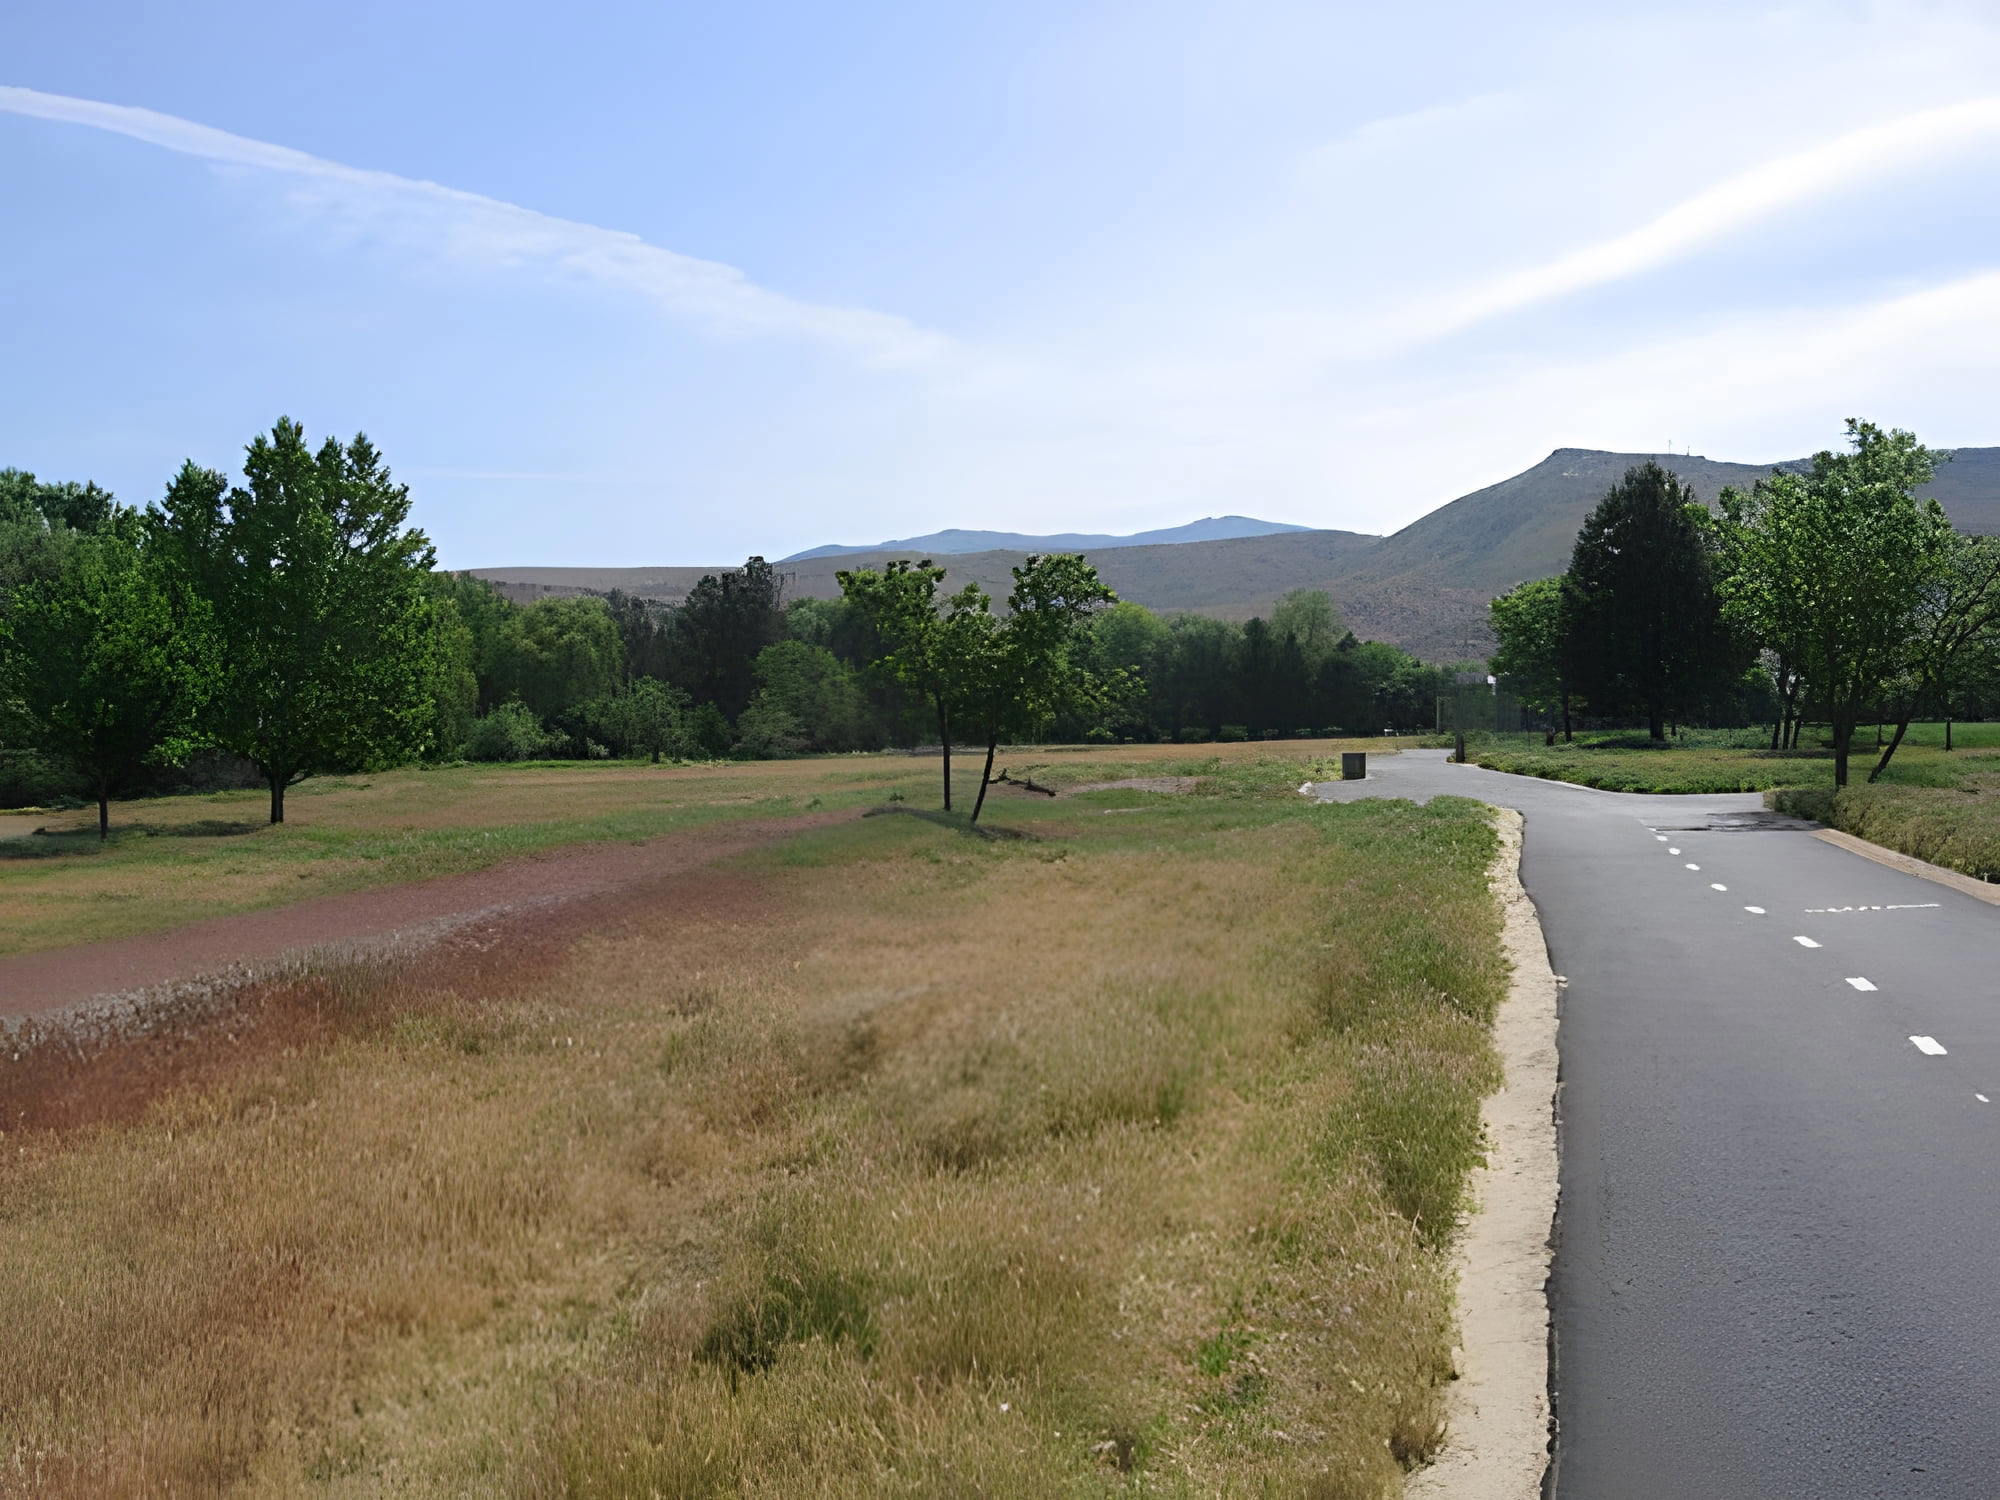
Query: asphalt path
point(1777, 1266)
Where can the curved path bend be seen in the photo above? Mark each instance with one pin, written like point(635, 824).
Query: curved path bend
point(1777, 1271)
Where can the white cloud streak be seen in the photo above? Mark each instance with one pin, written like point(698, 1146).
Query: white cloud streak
point(471, 227)
point(1727, 208)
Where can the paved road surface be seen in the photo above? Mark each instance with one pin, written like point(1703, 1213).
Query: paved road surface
point(1778, 1254)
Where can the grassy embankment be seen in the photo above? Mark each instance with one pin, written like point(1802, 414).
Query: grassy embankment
point(1937, 805)
point(171, 860)
point(1116, 1159)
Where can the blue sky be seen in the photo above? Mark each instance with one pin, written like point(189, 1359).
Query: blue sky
point(646, 283)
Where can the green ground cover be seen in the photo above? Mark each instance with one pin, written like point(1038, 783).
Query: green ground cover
point(1938, 805)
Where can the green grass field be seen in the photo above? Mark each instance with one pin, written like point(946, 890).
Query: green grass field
point(1937, 805)
point(1120, 1157)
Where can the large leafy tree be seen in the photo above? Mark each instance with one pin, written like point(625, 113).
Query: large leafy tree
point(1644, 626)
point(104, 658)
point(1831, 569)
point(560, 653)
point(315, 588)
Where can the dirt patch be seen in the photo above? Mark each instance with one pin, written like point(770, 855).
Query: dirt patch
point(1171, 785)
point(15, 827)
point(1498, 1412)
point(228, 951)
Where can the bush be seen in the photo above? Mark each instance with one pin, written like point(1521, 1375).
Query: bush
point(510, 732)
point(1232, 734)
point(1192, 736)
point(1274, 734)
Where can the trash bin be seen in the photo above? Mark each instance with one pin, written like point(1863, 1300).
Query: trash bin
point(1354, 765)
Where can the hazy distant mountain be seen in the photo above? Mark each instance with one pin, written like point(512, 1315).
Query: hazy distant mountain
point(953, 542)
point(1425, 588)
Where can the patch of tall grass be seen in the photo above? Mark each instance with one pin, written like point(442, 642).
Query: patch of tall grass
point(1118, 1160)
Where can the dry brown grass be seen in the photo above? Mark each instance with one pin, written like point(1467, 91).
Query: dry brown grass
point(893, 1163)
point(172, 860)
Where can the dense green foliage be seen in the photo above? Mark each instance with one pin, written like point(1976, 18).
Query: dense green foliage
point(291, 624)
point(1857, 600)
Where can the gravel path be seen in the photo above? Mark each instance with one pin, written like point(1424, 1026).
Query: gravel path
point(238, 946)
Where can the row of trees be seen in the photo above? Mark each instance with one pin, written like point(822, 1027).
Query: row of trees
point(1832, 592)
point(292, 622)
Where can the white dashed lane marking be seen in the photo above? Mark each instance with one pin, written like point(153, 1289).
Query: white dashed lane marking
point(1860, 983)
point(1673, 851)
point(1661, 837)
point(1694, 867)
point(1905, 906)
point(1713, 886)
point(1928, 1045)
point(1806, 942)
point(1982, 1098)
point(1755, 911)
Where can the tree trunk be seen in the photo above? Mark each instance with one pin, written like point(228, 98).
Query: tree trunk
point(103, 813)
point(1656, 724)
point(278, 798)
point(944, 743)
point(1568, 738)
point(1947, 734)
point(1843, 740)
point(986, 776)
point(1881, 765)
point(656, 755)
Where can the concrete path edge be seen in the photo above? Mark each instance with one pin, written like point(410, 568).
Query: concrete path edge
point(1498, 1436)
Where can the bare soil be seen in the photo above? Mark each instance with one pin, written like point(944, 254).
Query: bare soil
point(41, 983)
point(13, 826)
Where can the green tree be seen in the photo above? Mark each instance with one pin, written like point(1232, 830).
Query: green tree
point(816, 691)
point(1310, 617)
point(926, 643)
point(1644, 628)
point(726, 619)
point(645, 717)
point(316, 591)
point(103, 659)
point(1019, 672)
point(1831, 568)
point(1530, 658)
point(559, 654)
point(1956, 624)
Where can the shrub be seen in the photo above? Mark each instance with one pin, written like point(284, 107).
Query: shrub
point(509, 732)
point(1231, 734)
point(1192, 736)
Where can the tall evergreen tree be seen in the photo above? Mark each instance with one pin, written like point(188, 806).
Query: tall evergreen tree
point(1644, 624)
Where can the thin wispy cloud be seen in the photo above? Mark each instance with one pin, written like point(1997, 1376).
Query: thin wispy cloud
point(445, 221)
point(1727, 208)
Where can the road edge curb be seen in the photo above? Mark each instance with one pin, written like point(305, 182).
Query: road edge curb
point(1909, 864)
point(1498, 1411)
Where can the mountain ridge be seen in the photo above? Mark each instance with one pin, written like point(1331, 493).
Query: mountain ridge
point(1424, 587)
point(953, 541)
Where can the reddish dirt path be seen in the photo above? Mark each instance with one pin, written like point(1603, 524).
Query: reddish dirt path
point(34, 983)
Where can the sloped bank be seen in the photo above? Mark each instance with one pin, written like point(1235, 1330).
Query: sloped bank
point(1498, 1435)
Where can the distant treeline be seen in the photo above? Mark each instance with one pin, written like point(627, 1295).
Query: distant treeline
point(294, 623)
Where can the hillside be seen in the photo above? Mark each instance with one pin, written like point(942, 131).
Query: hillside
point(1425, 588)
point(954, 541)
